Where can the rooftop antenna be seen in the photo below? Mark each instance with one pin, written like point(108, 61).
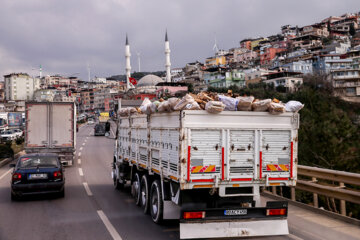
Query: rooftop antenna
point(138, 57)
point(215, 45)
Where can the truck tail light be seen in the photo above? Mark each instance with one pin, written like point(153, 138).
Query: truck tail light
point(276, 212)
point(16, 176)
point(194, 215)
point(57, 174)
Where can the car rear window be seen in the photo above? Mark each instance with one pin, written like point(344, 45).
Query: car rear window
point(38, 161)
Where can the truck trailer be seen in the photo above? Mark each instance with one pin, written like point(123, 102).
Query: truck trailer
point(50, 127)
point(207, 169)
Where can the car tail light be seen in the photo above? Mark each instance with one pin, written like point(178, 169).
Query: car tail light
point(194, 215)
point(57, 174)
point(16, 176)
point(276, 212)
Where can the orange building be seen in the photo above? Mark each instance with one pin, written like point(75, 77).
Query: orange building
point(269, 54)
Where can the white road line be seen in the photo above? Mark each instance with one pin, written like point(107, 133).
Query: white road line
point(81, 172)
point(79, 160)
point(292, 236)
point(81, 148)
point(115, 235)
point(87, 189)
point(2, 176)
point(83, 144)
point(112, 132)
point(79, 154)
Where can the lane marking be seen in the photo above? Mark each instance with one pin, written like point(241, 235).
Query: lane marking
point(115, 235)
point(2, 176)
point(83, 144)
point(79, 154)
point(292, 236)
point(87, 189)
point(81, 172)
point(81, 148)
point(112, 132)
point(79, 160)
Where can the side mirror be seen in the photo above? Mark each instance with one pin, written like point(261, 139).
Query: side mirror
point(12, 165)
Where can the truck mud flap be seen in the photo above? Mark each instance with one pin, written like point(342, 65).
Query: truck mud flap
point(233, 228)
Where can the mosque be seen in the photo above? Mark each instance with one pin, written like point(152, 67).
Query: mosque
point(147, 85)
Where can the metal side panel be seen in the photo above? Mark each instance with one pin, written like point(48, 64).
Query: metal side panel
point(206, 153)
point(238, 228)
point(242, 154)
point(276, 153)
point(174, 136)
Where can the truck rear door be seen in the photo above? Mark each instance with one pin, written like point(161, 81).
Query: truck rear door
point(62, 128)
point(36, 125)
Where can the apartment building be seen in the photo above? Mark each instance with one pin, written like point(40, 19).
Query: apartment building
point(20, 87)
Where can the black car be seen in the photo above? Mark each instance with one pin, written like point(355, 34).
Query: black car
point(37, 174)
point(99, 129)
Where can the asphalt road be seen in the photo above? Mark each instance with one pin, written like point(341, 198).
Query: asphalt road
point(93, 209)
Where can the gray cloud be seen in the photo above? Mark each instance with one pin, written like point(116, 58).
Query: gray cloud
point(64, 35)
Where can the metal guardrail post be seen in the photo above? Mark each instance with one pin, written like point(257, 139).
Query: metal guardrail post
point(273, 189)
point(315, 195)
point(342, 202)
point(293, 196)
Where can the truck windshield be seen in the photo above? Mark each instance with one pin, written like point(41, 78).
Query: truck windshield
point(38, 161)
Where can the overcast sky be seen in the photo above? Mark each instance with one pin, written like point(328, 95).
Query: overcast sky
point(66, 35)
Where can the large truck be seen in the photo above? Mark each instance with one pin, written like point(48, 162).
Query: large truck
point(50, 127)
point(207, 169)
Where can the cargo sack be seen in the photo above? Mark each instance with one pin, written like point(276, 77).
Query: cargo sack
point(229, 102)
point(293, 106)
point(172, 102)
point(147, 106)
point(245, 103)
point(276, 108)
point(261, 105)
point(187, 102)
point(214, 107)
point(164, 107)
point(124, 112)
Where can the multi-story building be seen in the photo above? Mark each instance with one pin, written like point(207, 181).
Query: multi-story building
point(346, 84)
point(46, 95)
point(20, 86)
point(2, 91)
point(303, 66)
point(269, 54)
point(290, 80)
point(323, 64)
point(319, 30)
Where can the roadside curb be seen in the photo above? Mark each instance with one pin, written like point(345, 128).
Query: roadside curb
point(340, 217)
point(8, 160)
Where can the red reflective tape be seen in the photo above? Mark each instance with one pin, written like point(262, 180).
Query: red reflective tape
point(202, 180)
point(188, 163)
point(291, 159)
point(222, 163)
point(260, 174)
point(281, 178)
point(241, 179)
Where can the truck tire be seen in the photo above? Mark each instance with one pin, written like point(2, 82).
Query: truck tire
point(117, 184)
point(136, 189)
point(156, 202)
point(144, 186)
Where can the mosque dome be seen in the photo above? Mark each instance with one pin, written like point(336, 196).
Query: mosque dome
point(149, 80)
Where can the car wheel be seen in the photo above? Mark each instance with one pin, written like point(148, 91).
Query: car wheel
point(156, 202)
point(144, 186)
point(62, 193)
point(136, 188)
point(14, 197)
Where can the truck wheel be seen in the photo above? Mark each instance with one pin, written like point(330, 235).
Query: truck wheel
point(117, 184)
point(144, 186)
point(136, 189)
point(156, 202)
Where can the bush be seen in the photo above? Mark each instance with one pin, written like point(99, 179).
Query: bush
point(6, 151)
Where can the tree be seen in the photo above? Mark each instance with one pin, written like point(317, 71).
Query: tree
point(352, 31)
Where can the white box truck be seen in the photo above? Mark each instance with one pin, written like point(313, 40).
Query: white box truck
point(207, 169)
point(50, 127)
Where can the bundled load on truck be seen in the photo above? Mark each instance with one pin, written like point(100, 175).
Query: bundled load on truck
point(214, 103)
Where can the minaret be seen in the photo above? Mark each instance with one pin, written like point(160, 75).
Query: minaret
point(127, 64)
point(167, 56)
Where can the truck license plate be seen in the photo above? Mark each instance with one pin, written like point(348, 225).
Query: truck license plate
point(235, 212)
point(38, 176)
